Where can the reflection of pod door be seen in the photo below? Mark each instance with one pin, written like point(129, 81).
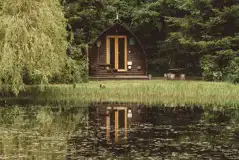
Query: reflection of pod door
point(118, 118)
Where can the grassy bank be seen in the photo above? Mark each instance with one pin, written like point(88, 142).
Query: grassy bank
point(144, 92)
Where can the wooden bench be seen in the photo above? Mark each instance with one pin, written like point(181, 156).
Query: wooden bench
point(108, 68)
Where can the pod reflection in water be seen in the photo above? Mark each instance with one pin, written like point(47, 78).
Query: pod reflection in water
point(116, 120)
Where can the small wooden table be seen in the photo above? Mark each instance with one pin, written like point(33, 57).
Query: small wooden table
point(175, 71)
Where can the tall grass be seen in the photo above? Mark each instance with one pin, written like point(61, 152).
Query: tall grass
point(171, 93)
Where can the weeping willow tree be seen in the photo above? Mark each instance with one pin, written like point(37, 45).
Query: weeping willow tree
point(32, 41)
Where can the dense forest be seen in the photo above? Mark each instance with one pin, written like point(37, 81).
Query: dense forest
point(44, 41)
point(199, 35)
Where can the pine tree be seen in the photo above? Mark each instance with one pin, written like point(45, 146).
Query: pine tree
point(205, 31)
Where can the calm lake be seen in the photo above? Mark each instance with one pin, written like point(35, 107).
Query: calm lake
point(117, 132)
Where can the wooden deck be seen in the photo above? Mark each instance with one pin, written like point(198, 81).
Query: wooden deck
point(120, 78)
point(140, 77)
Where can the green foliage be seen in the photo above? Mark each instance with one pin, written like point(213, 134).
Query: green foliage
point(32, 41)
point(84, 17)
point(208, 65)
point(233, 71)
point(206, 30)
point(73, 72)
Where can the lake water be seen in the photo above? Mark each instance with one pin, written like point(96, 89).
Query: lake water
point(112, 132)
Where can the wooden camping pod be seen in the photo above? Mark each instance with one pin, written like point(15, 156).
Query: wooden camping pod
point(117, 52)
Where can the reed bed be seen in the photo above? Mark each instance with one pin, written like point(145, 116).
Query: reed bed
point(154, 92)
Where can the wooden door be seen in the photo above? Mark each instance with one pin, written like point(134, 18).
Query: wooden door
point(116, 52)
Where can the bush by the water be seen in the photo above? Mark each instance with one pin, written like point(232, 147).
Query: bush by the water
point(74, 71)
point(233, 71)
point(214, 72)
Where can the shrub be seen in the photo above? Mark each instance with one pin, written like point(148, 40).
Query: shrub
point(74, 71)
point(210, 69)
point(233, 71)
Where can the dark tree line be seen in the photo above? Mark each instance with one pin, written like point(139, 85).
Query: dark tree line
point(199, 35)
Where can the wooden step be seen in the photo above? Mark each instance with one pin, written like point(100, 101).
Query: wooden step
point(119, 77)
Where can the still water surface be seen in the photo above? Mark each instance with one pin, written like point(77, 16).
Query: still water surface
point(109, 132)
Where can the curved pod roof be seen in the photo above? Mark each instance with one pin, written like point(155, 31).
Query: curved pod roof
point(128, 30)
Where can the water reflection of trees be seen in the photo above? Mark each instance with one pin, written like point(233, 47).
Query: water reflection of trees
point(160, 133)
point(38, 132)
point(81, 133)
